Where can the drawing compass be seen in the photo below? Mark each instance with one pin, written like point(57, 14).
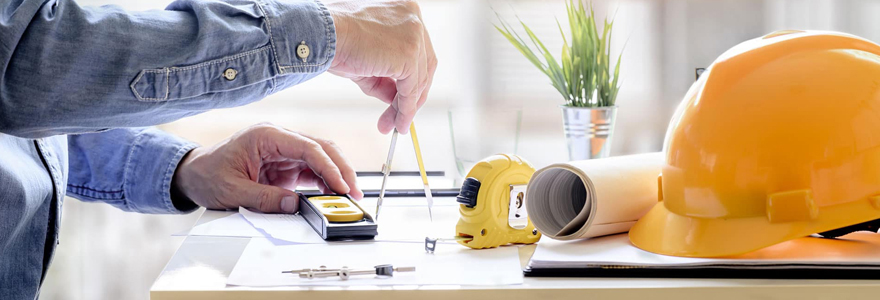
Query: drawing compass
point(386, 170)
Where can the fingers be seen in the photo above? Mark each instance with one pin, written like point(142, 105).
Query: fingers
point(388, 54)
point(382, 88)
point(267, 198)
point(423, 70)
point(345, 167)
point(432, 67)
point(431, 61)
point(287, 144)
point(405, 102)
point(407, 107)
point(410, 86)
point(386, 120)
point(307, 178)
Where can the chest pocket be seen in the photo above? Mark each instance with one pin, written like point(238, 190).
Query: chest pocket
point(224, 74)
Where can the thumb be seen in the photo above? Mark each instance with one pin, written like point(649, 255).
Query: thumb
point(268, 198)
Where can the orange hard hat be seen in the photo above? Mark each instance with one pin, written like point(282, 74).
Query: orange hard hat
point(778, 139)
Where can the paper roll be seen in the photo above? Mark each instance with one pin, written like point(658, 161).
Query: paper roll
point(589, 198)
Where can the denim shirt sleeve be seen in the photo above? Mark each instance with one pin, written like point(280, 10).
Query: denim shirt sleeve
point(67, 69)
point(129, 168)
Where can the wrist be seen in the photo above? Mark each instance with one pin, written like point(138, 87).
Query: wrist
point(339, 13)
point(180, 197)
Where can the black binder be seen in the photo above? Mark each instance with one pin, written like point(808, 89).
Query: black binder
point(854, 256)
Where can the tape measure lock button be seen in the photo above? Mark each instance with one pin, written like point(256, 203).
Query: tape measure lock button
point(468, 194)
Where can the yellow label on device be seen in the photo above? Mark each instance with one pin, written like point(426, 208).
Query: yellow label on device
point(337, 208)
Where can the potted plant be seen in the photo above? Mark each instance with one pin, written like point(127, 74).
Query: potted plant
point(584, 78)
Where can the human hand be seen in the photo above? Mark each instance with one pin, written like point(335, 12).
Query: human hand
point(382, 45)
point(259, 168)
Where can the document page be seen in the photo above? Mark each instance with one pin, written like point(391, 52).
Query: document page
point(261, 264)
point(229, 226)
point(402, 220)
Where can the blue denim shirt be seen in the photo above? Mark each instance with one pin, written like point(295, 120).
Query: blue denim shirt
point(69, 73)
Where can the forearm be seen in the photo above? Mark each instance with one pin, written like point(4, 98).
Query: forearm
point(72, 69)
point(131, 169)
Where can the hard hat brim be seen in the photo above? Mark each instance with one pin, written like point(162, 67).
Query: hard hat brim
point(663, 232)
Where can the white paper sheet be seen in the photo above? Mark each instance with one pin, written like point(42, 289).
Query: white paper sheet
point(859, 248)
point(261, 264)
point(229, 226)
point(287, 227)
point(397, 223)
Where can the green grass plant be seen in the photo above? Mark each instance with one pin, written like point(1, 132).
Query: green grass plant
point(583, 74)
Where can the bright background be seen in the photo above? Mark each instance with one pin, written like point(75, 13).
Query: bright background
point(109, 254)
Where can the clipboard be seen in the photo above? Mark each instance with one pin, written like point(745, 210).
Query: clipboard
point(854, 256)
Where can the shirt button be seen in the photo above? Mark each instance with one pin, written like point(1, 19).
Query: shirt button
point(303, 51)
point(230, 74)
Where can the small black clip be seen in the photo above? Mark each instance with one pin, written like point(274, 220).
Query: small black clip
point(698, 72)
point(384, 270)
point(871, 226)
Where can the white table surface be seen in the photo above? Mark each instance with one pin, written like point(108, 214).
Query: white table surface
point(199, 269)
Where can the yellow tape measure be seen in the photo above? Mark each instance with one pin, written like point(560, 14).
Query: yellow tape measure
point(492, 204)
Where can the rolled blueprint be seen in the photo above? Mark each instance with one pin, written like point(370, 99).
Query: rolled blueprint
point(590, 198)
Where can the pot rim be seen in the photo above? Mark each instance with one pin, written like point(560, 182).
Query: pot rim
point(563, 106)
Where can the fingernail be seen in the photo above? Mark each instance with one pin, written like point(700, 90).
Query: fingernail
point(358, 192)
point(288, 204)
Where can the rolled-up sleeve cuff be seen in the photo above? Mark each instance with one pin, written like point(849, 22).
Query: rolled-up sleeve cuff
point(292, 23)
point(154, 158)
